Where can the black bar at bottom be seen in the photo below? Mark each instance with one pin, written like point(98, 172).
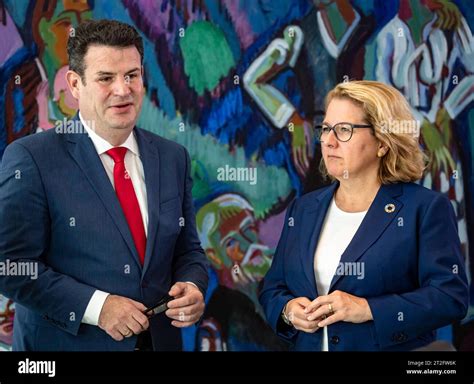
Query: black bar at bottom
point(412, 366)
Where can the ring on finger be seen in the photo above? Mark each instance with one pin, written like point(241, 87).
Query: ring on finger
point(331, 310)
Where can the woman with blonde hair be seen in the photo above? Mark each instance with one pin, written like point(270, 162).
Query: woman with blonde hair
point(373, 261)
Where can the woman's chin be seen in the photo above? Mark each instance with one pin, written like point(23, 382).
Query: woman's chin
point(337, 173)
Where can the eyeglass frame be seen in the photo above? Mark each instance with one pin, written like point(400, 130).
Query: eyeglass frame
point(332, 128)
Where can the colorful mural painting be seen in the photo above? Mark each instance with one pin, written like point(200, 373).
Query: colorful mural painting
point(241, 83)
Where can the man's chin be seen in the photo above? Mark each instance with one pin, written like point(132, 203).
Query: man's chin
point(121, 124)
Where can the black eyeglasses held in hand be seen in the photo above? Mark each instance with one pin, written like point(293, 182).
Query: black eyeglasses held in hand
point(159, 307)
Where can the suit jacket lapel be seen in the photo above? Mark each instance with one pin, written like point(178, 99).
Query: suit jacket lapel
point(151, 166)
point(374, 224)
point(312, 223)
point(84, 153)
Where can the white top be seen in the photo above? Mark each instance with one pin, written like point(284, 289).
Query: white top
point(338, 229)
point(134, 167)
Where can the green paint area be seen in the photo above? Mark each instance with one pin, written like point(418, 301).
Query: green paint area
point(420, 17)
point(370, 60)
point(207, 56)
point(273, 183)
point(337, 22)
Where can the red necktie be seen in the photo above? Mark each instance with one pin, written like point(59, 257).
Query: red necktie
point(128, 199)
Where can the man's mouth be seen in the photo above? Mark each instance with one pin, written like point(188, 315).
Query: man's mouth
point(122, 107)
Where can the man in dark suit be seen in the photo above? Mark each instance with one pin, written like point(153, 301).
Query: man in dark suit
point(102, 212)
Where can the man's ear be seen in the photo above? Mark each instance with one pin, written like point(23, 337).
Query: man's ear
point(73, 81)
point(143, 81)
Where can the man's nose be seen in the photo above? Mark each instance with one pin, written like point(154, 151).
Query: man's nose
point(122, 86)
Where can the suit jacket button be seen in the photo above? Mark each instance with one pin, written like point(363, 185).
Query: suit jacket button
point(335, 340)
point(399, 337)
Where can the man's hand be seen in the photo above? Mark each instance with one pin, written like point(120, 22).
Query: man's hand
point(187, 306)
point(339, 306)
point(296, 314)
point(122, 317)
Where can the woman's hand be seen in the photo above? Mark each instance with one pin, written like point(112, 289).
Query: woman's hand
point(295, 311)
point(338, 306)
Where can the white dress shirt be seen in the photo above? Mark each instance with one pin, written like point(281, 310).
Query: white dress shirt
point(134, 167)
point(338, 229)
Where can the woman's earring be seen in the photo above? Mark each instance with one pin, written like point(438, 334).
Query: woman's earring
point(380, 153)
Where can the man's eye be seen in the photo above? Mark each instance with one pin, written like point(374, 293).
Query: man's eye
point(345, 129)
point(105, 79)
point(326, 129)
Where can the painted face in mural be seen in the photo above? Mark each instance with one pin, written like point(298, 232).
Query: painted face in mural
point(231, 241)
point(112, 92)
point(51, 33)
point(54, 29)
point(356, 158)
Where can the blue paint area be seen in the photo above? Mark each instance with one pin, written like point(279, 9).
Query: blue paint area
point(256, 135)
point(279, 155)
point(264, 14)
point(287, 84)
point(382, 12)
point(164, 5)
point(467, 10)
point(155, 79)
point(19, 122)
point(18, 10)
point(225, 117)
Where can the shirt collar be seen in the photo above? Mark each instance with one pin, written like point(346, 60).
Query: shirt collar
point(101, 145)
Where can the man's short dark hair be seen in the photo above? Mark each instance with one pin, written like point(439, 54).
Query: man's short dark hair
point(111, 33)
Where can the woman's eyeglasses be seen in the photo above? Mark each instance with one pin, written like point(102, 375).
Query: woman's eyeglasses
point(343, 131)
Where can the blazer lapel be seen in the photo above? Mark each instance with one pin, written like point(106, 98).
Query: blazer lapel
point(84, 153)
point(151, 166)
point(378, 217)
point(312, 223)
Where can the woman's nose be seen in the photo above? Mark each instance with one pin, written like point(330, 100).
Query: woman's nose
point(331, 140)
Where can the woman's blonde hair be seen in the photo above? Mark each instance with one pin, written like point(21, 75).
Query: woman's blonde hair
point(387, 110)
